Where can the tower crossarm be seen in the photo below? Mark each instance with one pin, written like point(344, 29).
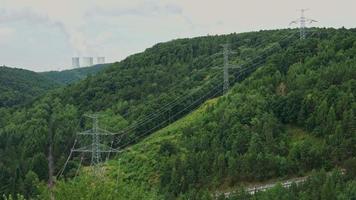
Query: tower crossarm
point(84, 149)
point(229, 66)
point(294, 22)
point(234, 66)
point(102, 148)
point(106, 132)
point(87, 132)
point(100, 132)
point(310, 20)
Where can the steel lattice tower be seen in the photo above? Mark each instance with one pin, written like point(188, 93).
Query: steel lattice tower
point(96, 156)
point(302, 23)
point(227, 65)
point(96, 148)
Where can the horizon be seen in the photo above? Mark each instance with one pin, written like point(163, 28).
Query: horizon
point(72, 68)
point(39, 36)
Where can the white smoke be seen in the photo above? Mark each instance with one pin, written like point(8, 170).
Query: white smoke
point(75, 38)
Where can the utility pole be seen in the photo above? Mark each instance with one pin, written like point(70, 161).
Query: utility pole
point(96, 148)
point(96, 155)
point(227, 65)
point(302, 20)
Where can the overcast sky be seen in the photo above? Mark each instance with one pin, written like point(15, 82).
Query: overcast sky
point(44, 34)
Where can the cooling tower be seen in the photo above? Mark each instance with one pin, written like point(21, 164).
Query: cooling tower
point(75, 62)
point(100, 60)
point(87, 61)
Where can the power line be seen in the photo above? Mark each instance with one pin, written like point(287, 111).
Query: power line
point(148, 131)
point(171, 88)
point(164, 108)
point(169, 106)
point(247, 69)
point(65, 164)
point(184, 95)
point(96, 148)
point(253, 63)
point(176, 114)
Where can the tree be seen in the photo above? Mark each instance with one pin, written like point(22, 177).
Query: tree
point(348, 123)
point(40, 166)
point(327, 191)
point(330, 121)
point(321, 114)
point(30, 183)
point(350, 167)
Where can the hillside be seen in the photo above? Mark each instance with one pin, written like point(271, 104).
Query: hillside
point(240, 137)
point(177, 74)
point(250, 135)
point(19, 86)
point(73, 75)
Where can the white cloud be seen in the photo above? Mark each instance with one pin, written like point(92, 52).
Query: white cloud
point(6, 31)
point(5, 34)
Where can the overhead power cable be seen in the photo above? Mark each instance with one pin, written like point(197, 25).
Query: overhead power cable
point(247, 69)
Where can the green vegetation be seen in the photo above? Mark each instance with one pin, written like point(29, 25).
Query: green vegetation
point(74, 75)
point(293, 115)
point(19, 86)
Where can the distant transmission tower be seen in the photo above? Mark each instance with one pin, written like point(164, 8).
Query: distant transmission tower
point(227, 65)
point(302, 21)
point(96, 148)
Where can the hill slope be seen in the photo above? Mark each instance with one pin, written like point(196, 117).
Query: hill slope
point(240, 137)
point(73, 75)
point(18, 86)
point(247, 135)
point(138, 95)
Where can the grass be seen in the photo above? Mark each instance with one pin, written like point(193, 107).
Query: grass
point(296, 135)
point(139, 164)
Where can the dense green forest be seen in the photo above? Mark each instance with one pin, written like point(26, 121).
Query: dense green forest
point(19, 86)
point(73, 75)
point(291, 111)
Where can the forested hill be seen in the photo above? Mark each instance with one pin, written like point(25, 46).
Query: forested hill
point(18, 86)
point(140, 94)
point(73, 75)
point(294, 114)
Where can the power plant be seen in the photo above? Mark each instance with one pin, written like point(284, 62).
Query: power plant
point(86, 61)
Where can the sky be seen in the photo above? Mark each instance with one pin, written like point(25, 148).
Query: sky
point(42, 35)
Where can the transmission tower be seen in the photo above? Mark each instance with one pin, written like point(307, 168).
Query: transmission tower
point(227, 65)
point(96, 148)
point(302, 21)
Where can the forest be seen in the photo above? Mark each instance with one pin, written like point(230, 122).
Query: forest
point(65, 77)
point(19, 86)
point(290, 112)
